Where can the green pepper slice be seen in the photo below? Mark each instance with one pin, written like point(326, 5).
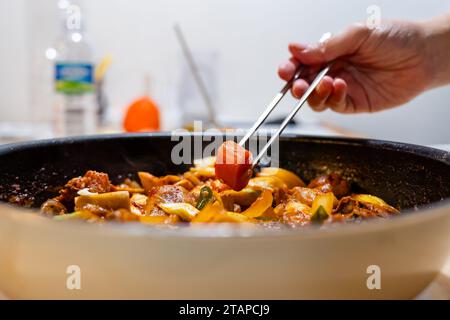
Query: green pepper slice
point(206, 195)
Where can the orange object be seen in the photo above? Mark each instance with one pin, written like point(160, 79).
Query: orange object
point(233, 165)
point(142, 115)
point(260, 206)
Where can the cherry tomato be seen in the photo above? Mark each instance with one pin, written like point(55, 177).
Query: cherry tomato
point(233, 165)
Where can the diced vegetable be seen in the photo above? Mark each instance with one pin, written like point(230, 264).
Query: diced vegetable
point(204, 172)
point(261, 204)
point(83, 215)
point(132, 183)
point(139, 199)
point(128, 189)
point(288, 177)
point(245, 197)
point(192, 178)
point(148, 180)
point(206, 196)
point(233, 165)
point(324, 201)
point(319, 215)
point(137, 203)
point(109, 200)
point(371, 203)
point(232, 217)
point(208, 213)
point(307, 195)
point(185, 184)
point(268, 215)
point(369, 198)
point(322, 207)
point(168, 179)
point(122, 215)
point(128, 185)
point(272, 183)
point(86, 192)
point(159, 219)
point(215, 212)
point(294, 207)
point(185, 211)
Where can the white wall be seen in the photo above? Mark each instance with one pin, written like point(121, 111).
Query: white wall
point(250, 36)
point(14, 86)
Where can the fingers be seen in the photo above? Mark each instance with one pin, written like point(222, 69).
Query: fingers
point(287, 69)
point(343, 44)
point(337, 101)
point(299, 87)
point(318, 98)
point(329, 93)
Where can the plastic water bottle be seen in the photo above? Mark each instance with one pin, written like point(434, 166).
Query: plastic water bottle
point(74, 77)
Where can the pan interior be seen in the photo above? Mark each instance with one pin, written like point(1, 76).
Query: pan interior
point(405, 176)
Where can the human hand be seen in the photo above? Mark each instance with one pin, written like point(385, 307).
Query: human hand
point(373, 69)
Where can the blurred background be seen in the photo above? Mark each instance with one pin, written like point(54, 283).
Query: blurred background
point(237, 46)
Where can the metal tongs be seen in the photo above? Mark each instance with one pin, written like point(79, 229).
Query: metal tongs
point(278, 97)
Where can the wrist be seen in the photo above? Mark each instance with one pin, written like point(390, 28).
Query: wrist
point(437, 49)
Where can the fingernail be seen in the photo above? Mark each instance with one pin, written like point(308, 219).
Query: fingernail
point(297, 48)
point(319, 88)
point(311, 47)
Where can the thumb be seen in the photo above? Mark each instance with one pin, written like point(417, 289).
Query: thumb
point(342, 44)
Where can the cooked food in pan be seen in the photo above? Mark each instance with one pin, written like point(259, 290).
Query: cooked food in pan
point(274, 196)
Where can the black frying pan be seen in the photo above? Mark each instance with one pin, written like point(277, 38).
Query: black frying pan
point(404, 175)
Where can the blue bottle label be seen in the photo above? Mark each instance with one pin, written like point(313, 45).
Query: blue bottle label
point(74, 77)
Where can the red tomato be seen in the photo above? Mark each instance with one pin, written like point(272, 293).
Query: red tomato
point(233, 165)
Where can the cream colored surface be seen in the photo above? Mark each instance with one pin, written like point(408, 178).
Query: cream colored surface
point(439, 289)
point(131, 261)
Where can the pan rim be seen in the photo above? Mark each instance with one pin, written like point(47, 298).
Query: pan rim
point(425, 151)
